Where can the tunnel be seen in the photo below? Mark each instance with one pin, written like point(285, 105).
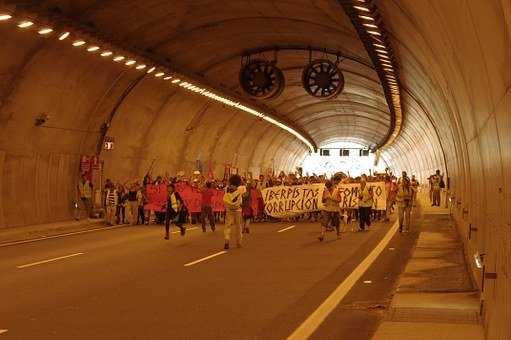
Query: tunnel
point(161, 81)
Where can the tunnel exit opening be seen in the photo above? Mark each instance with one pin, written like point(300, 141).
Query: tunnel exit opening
point(352, 158)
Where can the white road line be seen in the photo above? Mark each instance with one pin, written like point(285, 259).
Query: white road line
point(309, 326)
point(61, 235)
point(50, 260)
point(187, 229)
point(282, 230)
point(206, 258)
point(2, 331)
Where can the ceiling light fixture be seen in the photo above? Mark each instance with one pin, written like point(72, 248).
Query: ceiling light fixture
point(159, 74)
point(151, 69)
point(107, 53)
point(4, 17)
point(64, 35)
point(25, 24)
point(374, 33)
point(119, 58)
point(93, 49)
point(130, 62)
point(141, 67)
point(366, 17)
point(78, 43)
point(45, 31)
point(362, 8)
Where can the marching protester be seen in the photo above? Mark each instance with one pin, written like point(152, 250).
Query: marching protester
point(175, 211)
point(330, 210)
point(404, 203)
point(141, 200)
point(85, 193)
point(415, 188)
point(132, 204)
point(246, 208)
point(232, 201)
point(435, 187)
point(111, 201)
point(206, 207)
point(365, 203)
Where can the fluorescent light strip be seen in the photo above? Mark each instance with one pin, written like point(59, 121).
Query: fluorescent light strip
point(185, 85)
point(362, 8)
point(64, 36)
point(25, 24)
point(366, 17)
point(44, 31)
point(4, 17)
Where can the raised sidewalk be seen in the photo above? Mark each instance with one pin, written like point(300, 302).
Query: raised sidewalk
point(435, 298)
point(26, 233)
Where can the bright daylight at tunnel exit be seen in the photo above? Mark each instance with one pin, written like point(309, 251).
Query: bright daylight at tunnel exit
point(255, 169)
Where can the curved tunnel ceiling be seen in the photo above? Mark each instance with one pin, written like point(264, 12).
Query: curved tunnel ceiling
point(224, 33)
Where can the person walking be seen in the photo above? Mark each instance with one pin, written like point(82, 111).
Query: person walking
point(415, 188)
point(175, 211)
point(232, 201)
point(246, 209)
point(132, 205)
point(365, 203)
point(330, 211)
point(85, 193)
point(435, 183)
point(207, 207)
point(111, 201)
point(404, 203)
point(141, 201)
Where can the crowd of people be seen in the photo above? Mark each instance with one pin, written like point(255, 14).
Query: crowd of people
point(241, 201)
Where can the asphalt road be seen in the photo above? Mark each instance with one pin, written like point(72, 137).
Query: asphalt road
point(129, 283)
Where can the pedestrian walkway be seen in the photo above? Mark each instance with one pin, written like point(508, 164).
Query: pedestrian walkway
point(30, 232)
point(435, 297)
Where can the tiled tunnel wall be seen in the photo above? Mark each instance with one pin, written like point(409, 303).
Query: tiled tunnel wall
point(454, 66)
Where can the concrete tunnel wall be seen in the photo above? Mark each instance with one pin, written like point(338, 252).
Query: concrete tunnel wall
point(454, 67)
point(39, 165)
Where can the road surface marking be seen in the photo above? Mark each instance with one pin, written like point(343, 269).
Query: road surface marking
point(2, 331)
point(61, 235)
point(282, 230)
point(50, 260)
point(187, 229)
point(206, 258)
point(309, 326)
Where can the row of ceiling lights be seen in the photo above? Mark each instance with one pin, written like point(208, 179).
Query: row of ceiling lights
point(158, 71)
point(366, 14)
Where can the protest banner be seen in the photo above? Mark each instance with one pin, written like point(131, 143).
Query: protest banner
point(156, 197)
point(191, 197)
point(292, 200)
point(349, 195)
point(217, 201)
point(254, 201)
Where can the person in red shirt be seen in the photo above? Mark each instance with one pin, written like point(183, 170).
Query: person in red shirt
point(207, 207)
